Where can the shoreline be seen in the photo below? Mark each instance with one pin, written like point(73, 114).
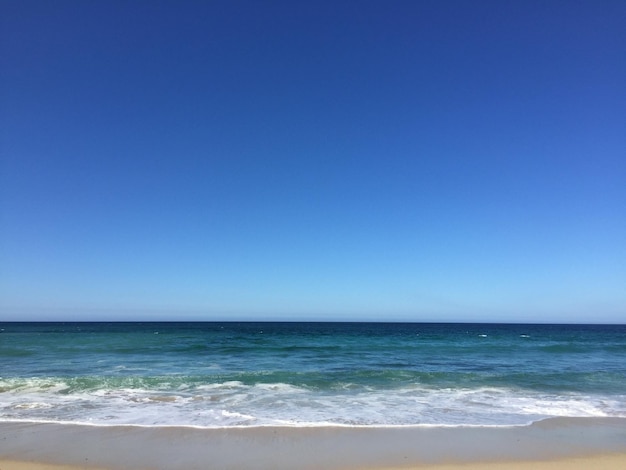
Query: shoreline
point(549, 443)
point(550, 421)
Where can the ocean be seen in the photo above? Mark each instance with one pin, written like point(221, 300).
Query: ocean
point(309, 374)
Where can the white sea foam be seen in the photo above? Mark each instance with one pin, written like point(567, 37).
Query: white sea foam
point(234, 403)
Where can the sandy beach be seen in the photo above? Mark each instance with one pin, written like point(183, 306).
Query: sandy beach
point(551, 444)
point(605, 462)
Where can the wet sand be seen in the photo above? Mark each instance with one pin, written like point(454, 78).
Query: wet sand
point(552, 444)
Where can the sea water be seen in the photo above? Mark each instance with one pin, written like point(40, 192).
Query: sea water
point(304, 374)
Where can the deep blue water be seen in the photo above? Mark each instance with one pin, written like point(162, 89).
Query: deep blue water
point(225, 374)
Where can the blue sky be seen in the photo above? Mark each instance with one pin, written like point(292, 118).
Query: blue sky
point(363, 160)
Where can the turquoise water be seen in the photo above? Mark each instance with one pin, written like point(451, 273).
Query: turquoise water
point(243, 374)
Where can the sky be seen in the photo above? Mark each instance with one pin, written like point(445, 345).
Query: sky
point(313, 160)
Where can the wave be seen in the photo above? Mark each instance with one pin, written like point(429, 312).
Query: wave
point(384, 377)
point(156, 401)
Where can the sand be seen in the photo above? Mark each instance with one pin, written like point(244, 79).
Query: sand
point(599, 462)
point(603, 462)
point(572, 443)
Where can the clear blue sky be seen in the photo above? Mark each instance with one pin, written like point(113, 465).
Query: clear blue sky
point(313, 160)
